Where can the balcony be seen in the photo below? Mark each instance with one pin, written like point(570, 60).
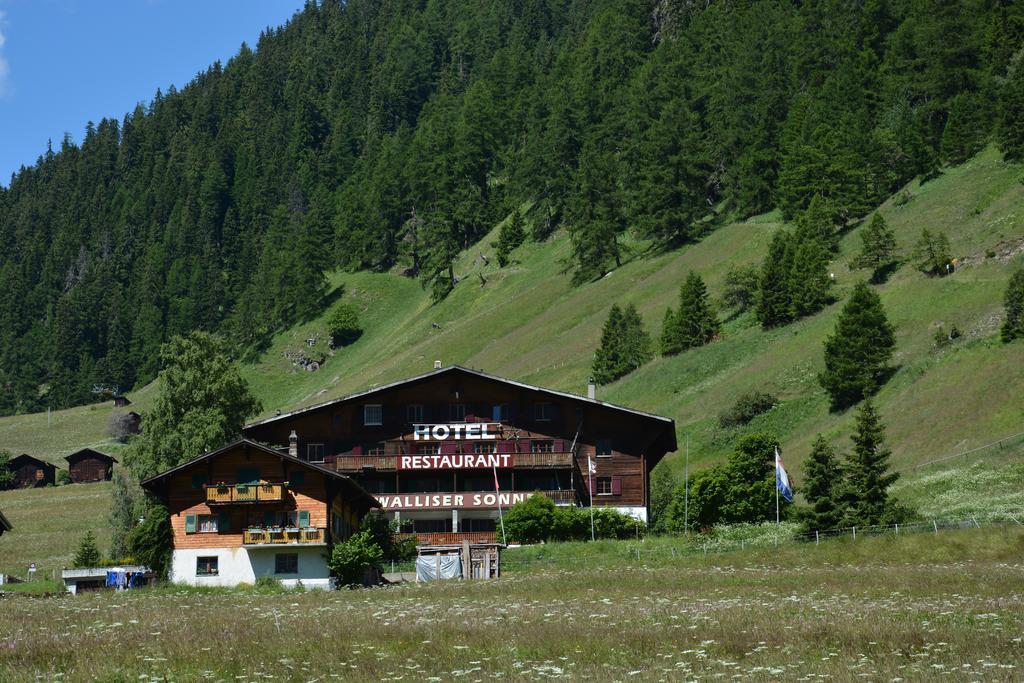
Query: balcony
point(389, 463)
point(226, 494)
point(284, 536)
point(453, 538)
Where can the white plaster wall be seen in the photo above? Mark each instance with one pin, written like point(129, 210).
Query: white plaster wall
point(636, 512)
point(244, 565)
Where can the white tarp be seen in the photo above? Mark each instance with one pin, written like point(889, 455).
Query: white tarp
point(434, 567)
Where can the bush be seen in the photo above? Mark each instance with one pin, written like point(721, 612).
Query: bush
point(63, 477)
point(343, 325)
point(538, 519)
point(6, 476)
point(150, 541)
point(268, 584)
point(121, 427)
point(532, 520)
point(384, 533)
point(356, 559)
point(747, 407)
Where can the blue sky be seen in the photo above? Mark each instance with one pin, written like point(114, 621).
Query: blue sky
point(66, 62)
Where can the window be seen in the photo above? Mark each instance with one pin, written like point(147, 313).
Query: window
point(373, 415)
point(484, 447)
point(375, 448)
point(427, 526)
point(604, 448)
point(414, 413)
point(457, 412)
point(287, 519)
point(428, 449)
point(501, 412)
point(315, 452)
point(206, 566)
point(207, 524)
point(477, 525)
point(542, 446)
point(286, 563)
point(604, 486)
point(542, 412)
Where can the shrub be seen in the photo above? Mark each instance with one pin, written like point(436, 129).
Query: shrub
point(747, 407)
point(538, 519)
point(63, 477)
point(532, 520)
point(121, 426)
point(384, 532)
point(87, 555)
point(268, 584)
point(343, 325)
point(150, 541)
point(355, 559)
point(6, 476)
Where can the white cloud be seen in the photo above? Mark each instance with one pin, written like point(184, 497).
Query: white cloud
point(5, 69)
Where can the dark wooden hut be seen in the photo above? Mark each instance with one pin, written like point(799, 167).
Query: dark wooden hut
point(29, 472)
point(88, 465)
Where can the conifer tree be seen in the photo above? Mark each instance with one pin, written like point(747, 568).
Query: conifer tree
point(740, 287)
point(810, 282)
point(1013, 326)
point(857, 352)
point(122, 516)
point(822, 487)
point(670, 344)
point(87, 554)
point(878, 250)
point(932, 253)
point(818, 222)
point(637, 343)
point(1011, 104)
point(595, 215)
point(867, 471)
point(608, 360)
point(774, 302)
point(696, 320)
point(510, 236)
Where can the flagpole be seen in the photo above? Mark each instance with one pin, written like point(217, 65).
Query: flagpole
point(497, 496)
point(590, 476)
point(686, 488)
point(776, 486)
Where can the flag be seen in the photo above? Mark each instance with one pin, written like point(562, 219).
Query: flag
point(782, 479)
point(592, 469)
point(496, 487)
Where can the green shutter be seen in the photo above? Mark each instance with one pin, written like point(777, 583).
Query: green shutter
point(190, 524)
point(248, 475)
point(224, 522)
point(303, 518)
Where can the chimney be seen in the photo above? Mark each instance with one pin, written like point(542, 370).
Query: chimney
point(591, 389)
point(293, 444)
point(437, 365)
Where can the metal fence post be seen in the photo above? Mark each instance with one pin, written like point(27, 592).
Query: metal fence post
point(897, 529)
point(855, 533)
point(936, 525)
point(816, 539)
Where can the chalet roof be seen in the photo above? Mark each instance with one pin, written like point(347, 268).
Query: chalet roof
point(4, 524)
point(25, 459)
point(358, 492)
point(87, 452)
point(664, 422)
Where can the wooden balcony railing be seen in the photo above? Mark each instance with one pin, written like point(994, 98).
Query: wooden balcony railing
point(358, 463)
point(453, 538)
point(284, 536)
point(221, 494)
point(561, 497)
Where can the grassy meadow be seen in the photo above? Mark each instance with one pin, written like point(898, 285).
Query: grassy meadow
point(909, 608)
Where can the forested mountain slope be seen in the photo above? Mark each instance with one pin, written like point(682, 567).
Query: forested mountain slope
point(382, 136)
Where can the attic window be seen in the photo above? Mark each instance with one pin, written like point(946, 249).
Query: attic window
point(315, 452)
point(542, 412)
point(373, 415)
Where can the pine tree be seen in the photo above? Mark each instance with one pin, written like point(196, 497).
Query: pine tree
point(1011, 103)
point(810, 282)
point(123, 514)
point(740, 287)
point(867, 471)
point(878, 250)
point(636, 349)
point(595, 215)
point(774, 302)
point(608, 360)
point(932, 253)
point(87, 555)
point(857, 352)
point(510, 236)
point(1013, 326)
point(818, 222)
point(663, 488)
point(670, 342)
point(697, 322)
point(822, 487)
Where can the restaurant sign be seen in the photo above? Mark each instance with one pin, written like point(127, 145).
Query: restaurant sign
point(454, 461)
point(457, 431)
point(444, 501)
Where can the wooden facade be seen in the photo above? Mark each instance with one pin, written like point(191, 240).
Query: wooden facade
point(88, 465)
point(536, 439)
point(247, 494)
point(30, 472)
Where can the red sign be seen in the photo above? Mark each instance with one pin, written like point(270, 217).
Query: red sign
point(447, 501)
point(454, 461)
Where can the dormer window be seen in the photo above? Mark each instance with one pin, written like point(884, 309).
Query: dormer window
point(373, 415)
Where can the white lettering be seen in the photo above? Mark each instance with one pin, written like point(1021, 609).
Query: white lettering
point(421, 432)
point(472, 432)
point(457, 431)
point(476, 500)
point(406, 462)
point(440, 432)
point(484, 433)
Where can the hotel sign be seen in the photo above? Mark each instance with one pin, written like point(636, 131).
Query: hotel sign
point(457, 431)
point(444, 501)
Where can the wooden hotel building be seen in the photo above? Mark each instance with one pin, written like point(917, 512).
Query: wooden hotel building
point(443, 450)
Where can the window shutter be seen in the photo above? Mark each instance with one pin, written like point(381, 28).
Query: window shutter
point(559, 446)
point(616, 486)
point(524, 446)
point(304, 518)
point(357, 450)
point(496, 415)
point(190, 524)
point(505, 446)
point(224, 522)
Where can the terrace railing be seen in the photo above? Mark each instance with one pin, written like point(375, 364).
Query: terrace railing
point(223, 494)
point(285, 536)
point(358, 463)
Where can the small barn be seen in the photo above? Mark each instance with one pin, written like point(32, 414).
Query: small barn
point(88, 465)
point(29, 471)
point(120, 401)
point(5, 526)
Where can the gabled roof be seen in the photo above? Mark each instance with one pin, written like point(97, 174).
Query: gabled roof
point(4, 524)
point(25, 458)
point(458, 369)
point(83, 452)
point(355, 489)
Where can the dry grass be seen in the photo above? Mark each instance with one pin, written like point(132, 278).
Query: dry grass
point(914, 608)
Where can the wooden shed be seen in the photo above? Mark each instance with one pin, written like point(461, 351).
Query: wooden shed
point(29, 472)
point(88, 465)
point(120, 401)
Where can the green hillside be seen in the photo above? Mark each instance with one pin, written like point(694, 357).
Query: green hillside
point(528, 322)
